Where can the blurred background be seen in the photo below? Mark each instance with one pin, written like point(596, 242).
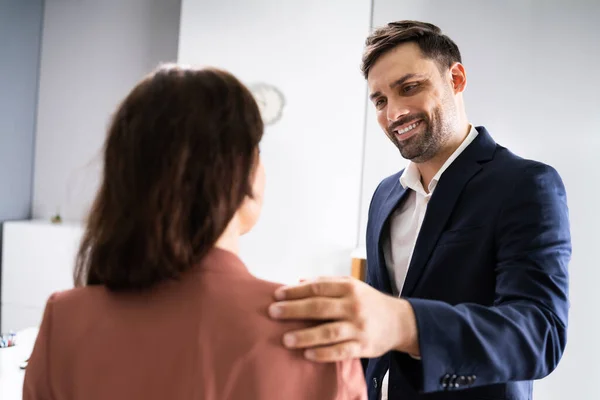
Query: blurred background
point(533, 82)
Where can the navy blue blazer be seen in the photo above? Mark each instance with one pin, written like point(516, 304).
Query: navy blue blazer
point(488, 279)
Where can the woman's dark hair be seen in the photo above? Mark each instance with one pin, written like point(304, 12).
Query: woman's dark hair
point(433, 44)
point(178, 162)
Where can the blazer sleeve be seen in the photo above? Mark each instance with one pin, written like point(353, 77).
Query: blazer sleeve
point(351, 381)
point(523, 335)
point(36, 385)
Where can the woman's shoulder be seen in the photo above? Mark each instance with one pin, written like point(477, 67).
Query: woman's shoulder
point(76, 295)
point(76, 304)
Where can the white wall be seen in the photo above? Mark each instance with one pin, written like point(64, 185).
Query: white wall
point(93, 52)
point(311, 50)
point(533, 81)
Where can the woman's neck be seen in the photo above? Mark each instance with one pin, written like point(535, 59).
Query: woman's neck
point(230, 239)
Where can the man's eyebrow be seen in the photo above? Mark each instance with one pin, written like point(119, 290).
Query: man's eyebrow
point(405, 78)
point(398, 82)
point(374, 95)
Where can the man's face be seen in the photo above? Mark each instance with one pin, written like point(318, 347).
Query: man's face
point(415, 103)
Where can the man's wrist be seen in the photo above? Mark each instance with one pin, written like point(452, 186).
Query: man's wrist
point(407, 333)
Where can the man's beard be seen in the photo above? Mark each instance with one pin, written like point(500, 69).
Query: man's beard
point(427, 144)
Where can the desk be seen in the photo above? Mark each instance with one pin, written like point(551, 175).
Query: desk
point(11, 376)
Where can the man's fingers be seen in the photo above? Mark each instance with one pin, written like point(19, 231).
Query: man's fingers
point(338, 352)
point(322, 287)
point(325, 334)
point(316, 308)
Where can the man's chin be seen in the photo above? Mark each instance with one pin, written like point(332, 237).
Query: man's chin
point(406, 152)
point(412, 155)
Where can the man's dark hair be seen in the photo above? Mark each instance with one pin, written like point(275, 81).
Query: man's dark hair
point(428, 37)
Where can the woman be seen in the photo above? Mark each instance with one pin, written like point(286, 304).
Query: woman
point(164, 308)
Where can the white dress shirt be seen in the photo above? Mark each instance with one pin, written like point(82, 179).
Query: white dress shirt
point(405, 225)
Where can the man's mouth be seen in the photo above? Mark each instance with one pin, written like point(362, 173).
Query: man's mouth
point(402, 130)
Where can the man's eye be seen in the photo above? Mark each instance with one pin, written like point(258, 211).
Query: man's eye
point(379, 103)
point(410, 88)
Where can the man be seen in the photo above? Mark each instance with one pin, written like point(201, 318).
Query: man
point(467, 248)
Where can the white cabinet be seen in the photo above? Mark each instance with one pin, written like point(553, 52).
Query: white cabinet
point(38, 258)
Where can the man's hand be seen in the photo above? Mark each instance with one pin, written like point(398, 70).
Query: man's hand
point(360, 321)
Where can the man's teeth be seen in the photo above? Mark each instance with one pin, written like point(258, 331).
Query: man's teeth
point(408, 128)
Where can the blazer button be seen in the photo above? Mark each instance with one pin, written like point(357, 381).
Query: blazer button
point(471, 379)
point(444, 381)
point(453, 381)
point(375, 382)
point(461, 381)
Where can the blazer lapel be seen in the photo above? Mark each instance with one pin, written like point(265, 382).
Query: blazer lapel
point(442, 203)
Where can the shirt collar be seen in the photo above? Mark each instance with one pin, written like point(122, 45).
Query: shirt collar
point(411, 177)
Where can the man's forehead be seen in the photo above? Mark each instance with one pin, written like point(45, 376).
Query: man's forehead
point(407, 54)
point(397, 64)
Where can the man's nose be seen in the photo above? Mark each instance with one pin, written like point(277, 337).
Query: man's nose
point(395, 111)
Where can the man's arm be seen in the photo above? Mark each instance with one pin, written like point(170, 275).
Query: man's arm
point(521, 337)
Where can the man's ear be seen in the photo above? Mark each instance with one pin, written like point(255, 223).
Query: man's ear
point(458, 77)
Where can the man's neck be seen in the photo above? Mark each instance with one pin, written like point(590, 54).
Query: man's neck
point(429, 168)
